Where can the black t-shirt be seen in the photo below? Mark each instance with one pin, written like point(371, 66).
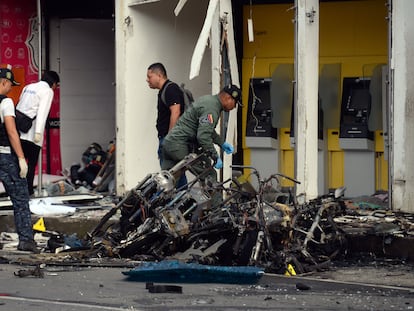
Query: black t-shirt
point(173, 95)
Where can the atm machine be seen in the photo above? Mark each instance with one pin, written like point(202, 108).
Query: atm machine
point(355, 138)
point(261, 136)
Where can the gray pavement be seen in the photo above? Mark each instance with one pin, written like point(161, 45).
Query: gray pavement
point(73, 285)
point(81, 287)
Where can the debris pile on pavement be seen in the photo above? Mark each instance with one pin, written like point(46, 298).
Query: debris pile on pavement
point(264, 227)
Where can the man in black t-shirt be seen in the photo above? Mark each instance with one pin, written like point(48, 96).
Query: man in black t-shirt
point(168, 110)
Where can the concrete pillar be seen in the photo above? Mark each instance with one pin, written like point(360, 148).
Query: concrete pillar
point(402, 106)
point(306, 96)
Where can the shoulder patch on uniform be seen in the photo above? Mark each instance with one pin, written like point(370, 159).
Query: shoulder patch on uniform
point(207, 119)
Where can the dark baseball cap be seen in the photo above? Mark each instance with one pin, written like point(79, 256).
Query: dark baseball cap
point(234, 92)
point(6, 73)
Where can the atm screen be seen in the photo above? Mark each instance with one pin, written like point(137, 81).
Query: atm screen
point(259, 112)
point(360, 100)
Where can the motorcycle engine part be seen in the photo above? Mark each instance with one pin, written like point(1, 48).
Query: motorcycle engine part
point(165, 181)
point(175, 222)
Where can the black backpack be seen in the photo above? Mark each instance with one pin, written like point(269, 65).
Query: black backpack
point(188, 96)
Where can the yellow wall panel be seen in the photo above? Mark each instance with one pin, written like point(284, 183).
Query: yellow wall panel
point(346, 28)
point(379, 141)
point(287, 165)
point(336, 171)
point(381, 168)
point(273, 31)
point(333, 140)
point(353, 28)
point(284, 139)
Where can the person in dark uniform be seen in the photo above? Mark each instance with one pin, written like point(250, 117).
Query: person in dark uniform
point(197, 125)
point(13, 166)
point(168, 110)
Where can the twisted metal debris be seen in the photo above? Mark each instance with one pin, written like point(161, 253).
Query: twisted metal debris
point(262, 227)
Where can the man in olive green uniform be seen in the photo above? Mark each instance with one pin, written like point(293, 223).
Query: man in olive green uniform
point(197, 126)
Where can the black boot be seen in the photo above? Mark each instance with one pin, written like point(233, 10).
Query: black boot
point(29, 246)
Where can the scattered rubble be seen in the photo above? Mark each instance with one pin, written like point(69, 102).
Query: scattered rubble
point(263, 227)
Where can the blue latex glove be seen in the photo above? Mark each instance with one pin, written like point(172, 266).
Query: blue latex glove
point(228, 148)
point(219, 164)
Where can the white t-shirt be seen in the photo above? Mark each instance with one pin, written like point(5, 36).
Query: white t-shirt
point(6, 109)
point(35, 100)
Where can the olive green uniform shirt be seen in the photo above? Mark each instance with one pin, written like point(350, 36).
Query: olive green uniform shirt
point(197, 125)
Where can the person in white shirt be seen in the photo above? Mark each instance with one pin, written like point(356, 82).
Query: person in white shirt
point(13, 166)
point(35, 101)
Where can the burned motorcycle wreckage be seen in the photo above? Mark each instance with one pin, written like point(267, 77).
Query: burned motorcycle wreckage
point(262, 227)
point(155, 215)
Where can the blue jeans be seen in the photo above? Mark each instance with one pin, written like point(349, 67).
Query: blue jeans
point(159, 151)
point(16, 188)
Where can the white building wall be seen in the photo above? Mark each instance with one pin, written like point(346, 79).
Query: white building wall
point(402, 111)
point(148, 33)
point(82, 52)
